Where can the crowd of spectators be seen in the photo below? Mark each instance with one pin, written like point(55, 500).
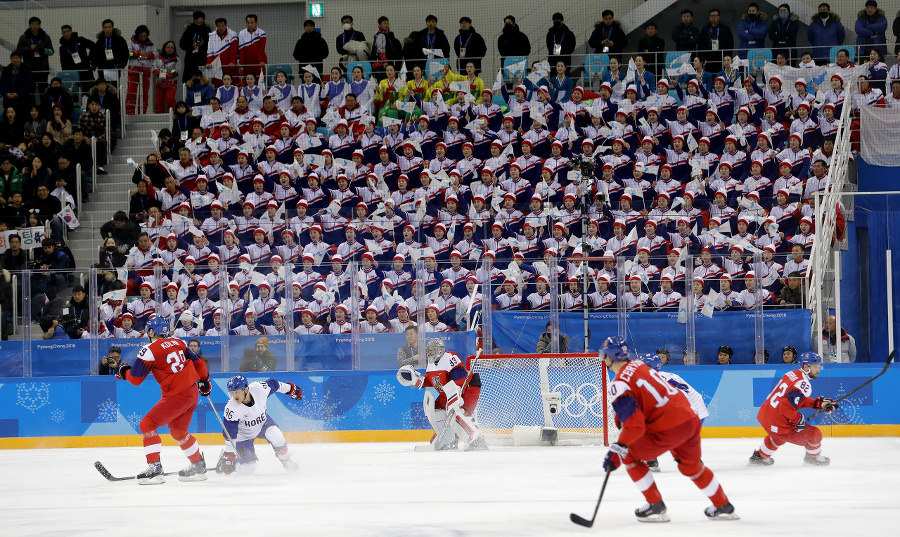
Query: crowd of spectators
point(498, 191)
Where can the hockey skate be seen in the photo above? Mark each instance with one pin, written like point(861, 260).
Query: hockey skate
point(479, 444)
point(809, 460)
point(153, 475)
point(289, 465)
point(757, 460)
point(652, 512)
point(726, 512)
point(196, 471)
point(654, 465)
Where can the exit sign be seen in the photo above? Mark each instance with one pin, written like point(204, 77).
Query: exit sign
point(316, 11)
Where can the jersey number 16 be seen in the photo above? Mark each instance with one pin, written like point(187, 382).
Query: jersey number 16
point(176, 360)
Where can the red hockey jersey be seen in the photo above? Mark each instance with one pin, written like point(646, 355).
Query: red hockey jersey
point(645, 403)
point(778, 414)
point(175, 368)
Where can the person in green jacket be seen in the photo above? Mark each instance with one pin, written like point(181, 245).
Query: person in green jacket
point(10, 180)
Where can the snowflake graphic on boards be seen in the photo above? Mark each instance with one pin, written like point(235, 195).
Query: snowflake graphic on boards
point(33, 396)
point(384, 392)
point(134, 419)
point(713, 409)
point(108, 411)
point(57, 416)
point(744, 414)
point(313, 403)
point(364, 410)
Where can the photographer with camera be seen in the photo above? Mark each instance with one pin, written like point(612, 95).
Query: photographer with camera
point(111, 362)
point(259, 359)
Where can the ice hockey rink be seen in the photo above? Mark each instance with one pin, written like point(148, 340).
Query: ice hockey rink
point(388, 489)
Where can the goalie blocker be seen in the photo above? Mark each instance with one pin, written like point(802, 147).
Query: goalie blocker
point(451, 414)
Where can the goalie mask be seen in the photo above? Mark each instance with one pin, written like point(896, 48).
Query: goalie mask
point(434, 350)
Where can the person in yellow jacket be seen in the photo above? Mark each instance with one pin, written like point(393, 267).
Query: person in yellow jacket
point(447, 77)
point(418, 87)
point(389, 92)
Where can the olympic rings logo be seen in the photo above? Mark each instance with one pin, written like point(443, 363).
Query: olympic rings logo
point(583, 404)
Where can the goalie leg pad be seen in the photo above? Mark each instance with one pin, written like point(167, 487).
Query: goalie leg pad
point(438, 425)
point(465, 428)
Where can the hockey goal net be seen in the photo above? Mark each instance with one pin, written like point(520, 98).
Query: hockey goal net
point(543, 399)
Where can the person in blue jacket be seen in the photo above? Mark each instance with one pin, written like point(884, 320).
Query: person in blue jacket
point(871, 25)
point(752, 29)
point(825, 31)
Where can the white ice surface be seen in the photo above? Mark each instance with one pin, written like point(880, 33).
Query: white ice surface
point(390, 490)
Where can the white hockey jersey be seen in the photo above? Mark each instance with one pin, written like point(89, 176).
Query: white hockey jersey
point(693, 396)
point(250, 419)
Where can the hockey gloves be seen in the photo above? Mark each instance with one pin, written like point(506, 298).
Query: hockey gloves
point(800, 425)
point(205, 386)
point(295, 392)
point(226, 463)
point(826, 405)
point(408, 376)
point(121, 370)
point(615, 456)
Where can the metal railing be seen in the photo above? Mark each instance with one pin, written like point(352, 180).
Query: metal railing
point(821, 260)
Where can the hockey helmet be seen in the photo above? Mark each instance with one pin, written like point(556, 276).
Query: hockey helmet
point(652, 360)
point(434, 350)
point(809, 358)
point(616, 348)
point(159, 325)
point(727, 350)
point(236, 383)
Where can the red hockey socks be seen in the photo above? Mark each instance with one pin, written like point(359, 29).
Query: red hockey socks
point(643, 478)
point(768, 447)
point(189, 445)
point(705, 480)
point(152, 441)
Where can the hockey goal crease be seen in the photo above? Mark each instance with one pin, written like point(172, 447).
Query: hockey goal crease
point(543, 399)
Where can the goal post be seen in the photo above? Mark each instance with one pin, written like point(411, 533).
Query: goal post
point(543, 399)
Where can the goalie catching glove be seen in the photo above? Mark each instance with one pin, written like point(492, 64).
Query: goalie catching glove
point(826, 405)
point(408, 376)
point(614, 457)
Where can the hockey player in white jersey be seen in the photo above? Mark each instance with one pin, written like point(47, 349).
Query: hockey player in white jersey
point(693, 396)
point(246, 420)
point(447, 374)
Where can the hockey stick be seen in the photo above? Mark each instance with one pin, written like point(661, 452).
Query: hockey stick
point(109, 477)
point(583, 521)
point(864, 384)
point(216, 412)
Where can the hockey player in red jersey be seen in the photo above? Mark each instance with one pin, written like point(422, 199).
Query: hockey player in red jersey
point(456, 402)
point(179, 373)
point(780, 417)
point(655, 417)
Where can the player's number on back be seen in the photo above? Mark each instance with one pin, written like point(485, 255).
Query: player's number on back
point(777, 395)
point(176, 361)
point(660, 399)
